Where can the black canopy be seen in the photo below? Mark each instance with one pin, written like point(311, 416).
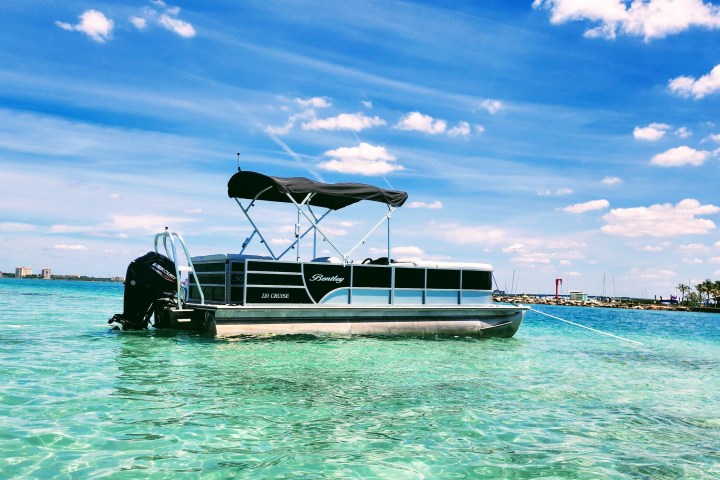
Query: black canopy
point(333, 196)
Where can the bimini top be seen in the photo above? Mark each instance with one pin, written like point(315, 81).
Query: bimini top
point(252, 185)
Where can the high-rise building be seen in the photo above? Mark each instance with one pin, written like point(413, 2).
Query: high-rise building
point(21, 272)
point(46, 274)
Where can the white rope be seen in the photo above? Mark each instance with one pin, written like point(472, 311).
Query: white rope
point(583, 326)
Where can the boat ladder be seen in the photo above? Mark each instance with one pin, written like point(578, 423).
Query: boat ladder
point(171, 252)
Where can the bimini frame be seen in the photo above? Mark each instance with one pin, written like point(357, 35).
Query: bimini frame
point(305, 194)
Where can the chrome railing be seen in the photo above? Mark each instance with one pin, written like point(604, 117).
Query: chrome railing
point(170, 237)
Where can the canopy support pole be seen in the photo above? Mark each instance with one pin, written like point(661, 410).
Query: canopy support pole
point(245, 211)
point(311, 227)
point(386, 217)
point(247, 241)
point(315, 226)
point(388, 238)
point(304, 208)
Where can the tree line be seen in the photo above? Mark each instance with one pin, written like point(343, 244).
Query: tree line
point(703, 293)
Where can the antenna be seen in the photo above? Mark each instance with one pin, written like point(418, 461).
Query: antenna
point(239, 169)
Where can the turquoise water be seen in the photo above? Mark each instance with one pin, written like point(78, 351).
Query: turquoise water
point(555, 401)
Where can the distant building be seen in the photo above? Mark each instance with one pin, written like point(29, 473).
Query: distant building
point(46, 274)
point(21, 272)
point(580, 296)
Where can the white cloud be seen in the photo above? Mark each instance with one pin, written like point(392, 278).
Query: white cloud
point(182, 28)
point(148, 223)
point(92, 23)
point(611, 180)
point(563, 244)
point(63, 246)
point(572, 254)
point(714, 137)
point(432, 206)
point(690, 87)
point(652, 248)
point(345, 121)
point(334, 232)
point(367, 104)
point(590, 206)
point(648, 18)
point(315, 102)
point(166, 17)
point(422, 123)
point(692, 261)
point(283, 242)
point(679, 156)
point(71, 229)
point(660, 220)
point(462, 129)
point(408, 253)
point(528, 254)
point(532, 258)
point(472, 235)
point(365, 159)
point(650, 274)
point(139, 22)
point(356, 121)
point(683, 132)
point(492, 106)
point(714, 260)
point(693, 247)
point(16, 227)
point(652, 132)
point(515, 247)
point(559, 192)
point(290, 123)
point(416, 121)
point(282, 130)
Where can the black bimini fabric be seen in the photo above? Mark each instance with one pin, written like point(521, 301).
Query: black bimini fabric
point(333, 196)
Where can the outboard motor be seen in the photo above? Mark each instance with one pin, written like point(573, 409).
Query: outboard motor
point(150, 282)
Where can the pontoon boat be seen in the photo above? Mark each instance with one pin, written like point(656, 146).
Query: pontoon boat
point(235, 294)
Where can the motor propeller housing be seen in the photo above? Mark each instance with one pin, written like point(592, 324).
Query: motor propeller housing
point(150, 281)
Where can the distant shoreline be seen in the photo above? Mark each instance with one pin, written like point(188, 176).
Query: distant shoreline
point(631, 304)
point(81, 278)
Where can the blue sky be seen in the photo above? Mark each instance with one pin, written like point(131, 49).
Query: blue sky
point(553, 139)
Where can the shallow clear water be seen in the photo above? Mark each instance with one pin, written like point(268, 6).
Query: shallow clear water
point(78, 400)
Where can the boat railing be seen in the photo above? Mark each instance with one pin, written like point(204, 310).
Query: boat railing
point(234, 279)
point(171, 252)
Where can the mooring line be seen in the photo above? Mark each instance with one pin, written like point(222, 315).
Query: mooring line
point(583, 326)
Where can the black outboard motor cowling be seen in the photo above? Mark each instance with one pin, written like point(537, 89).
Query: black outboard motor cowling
point(150, 281)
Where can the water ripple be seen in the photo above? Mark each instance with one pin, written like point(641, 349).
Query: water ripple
point(78, 400)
